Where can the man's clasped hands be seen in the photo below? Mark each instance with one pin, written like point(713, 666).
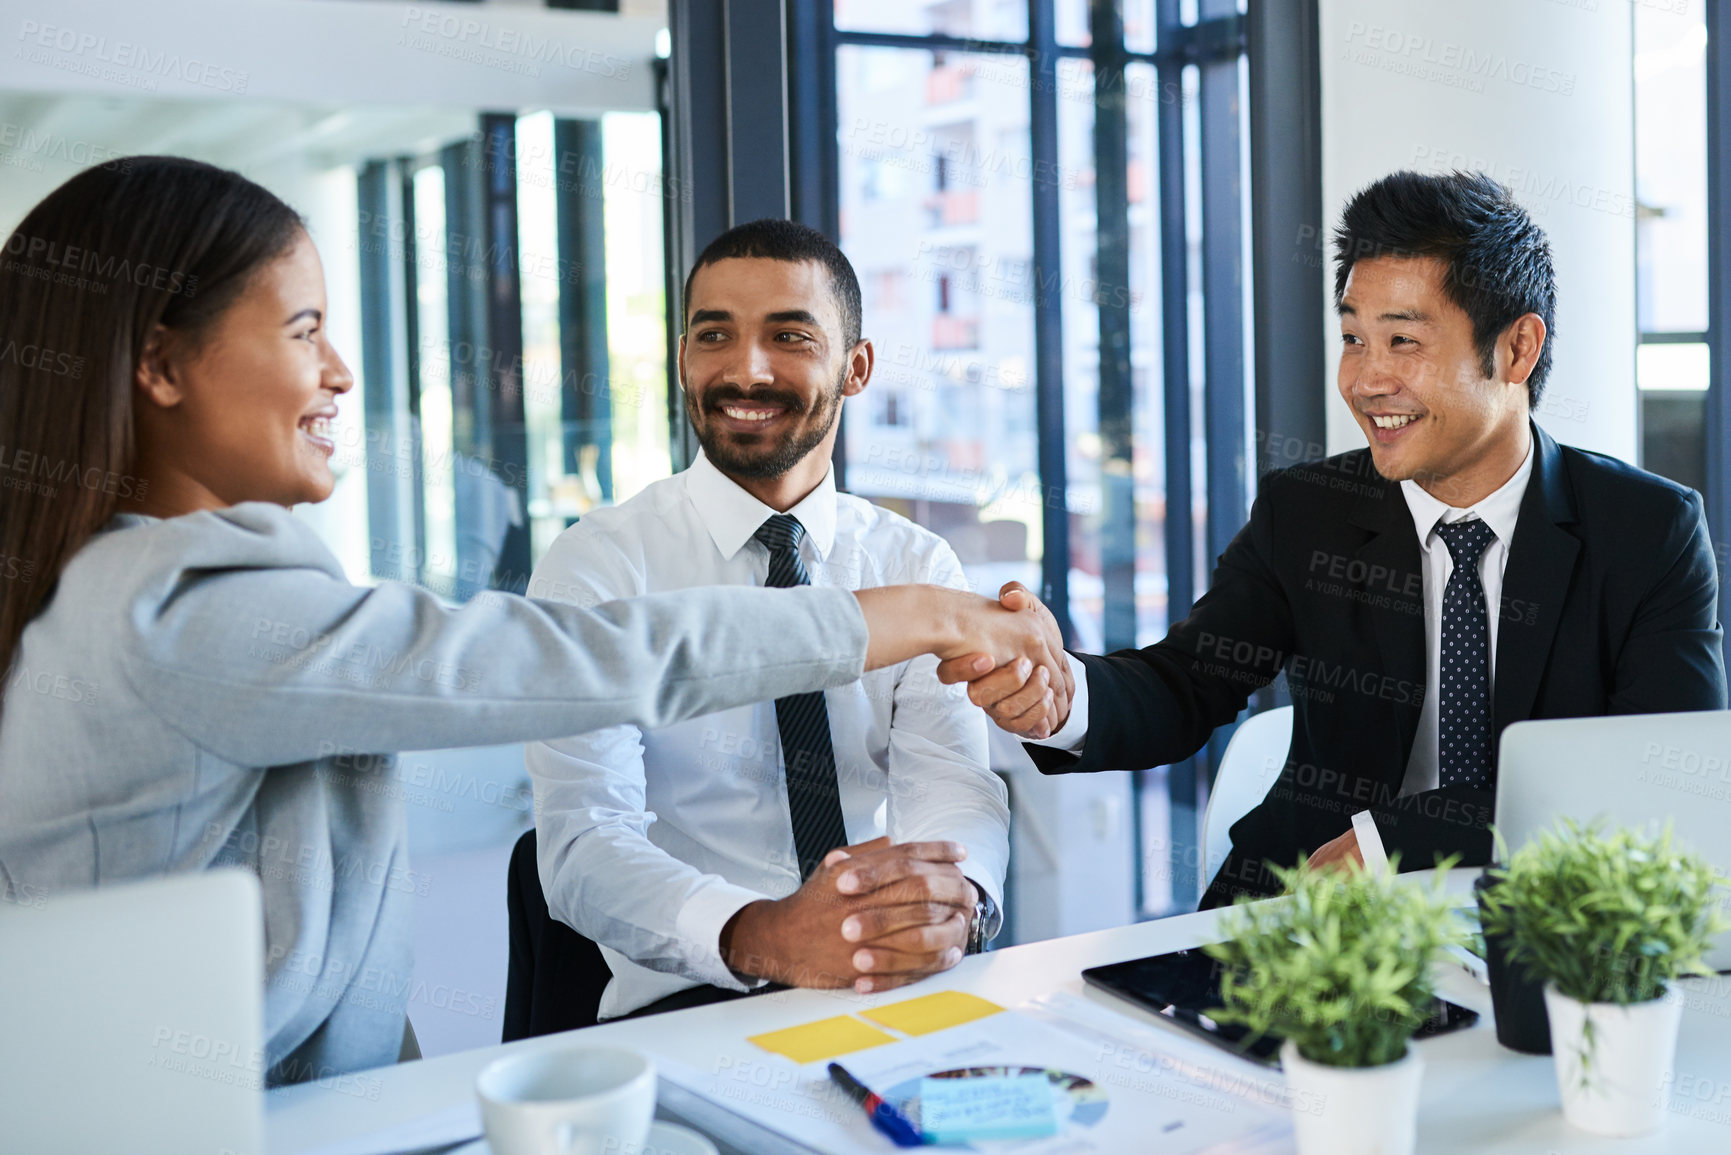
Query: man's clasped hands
point(879, 915)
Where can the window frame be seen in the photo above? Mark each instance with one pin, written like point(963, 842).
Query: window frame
point(1218, 44)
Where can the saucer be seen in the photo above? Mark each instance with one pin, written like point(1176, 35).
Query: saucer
point(672, 1139)
point(664, 1139)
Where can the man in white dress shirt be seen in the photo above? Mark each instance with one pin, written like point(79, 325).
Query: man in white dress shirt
point(852, 838)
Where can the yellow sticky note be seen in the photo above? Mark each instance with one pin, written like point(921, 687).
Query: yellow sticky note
point(930, 1013)
point(824, 1039)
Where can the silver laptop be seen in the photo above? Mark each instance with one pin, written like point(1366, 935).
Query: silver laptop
point(1631, 770)
point(132, 1018)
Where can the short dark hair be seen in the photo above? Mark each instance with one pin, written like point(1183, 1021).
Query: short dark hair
point(1499, 261)
point(779, 240)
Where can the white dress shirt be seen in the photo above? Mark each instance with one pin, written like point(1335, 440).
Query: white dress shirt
point(1500, 511)
point(649, 842)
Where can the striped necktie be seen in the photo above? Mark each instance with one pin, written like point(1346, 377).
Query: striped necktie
point(808, 759)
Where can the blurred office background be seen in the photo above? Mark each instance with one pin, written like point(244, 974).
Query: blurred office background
point(1092, 237)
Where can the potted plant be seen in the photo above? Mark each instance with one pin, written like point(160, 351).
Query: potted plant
point(1608, 922)
point(1341, 969)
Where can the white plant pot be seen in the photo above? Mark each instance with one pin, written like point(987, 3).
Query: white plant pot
point(1614, 1079)
point(1353, 1110)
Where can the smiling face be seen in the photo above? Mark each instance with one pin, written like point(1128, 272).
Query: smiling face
point(242, 412)
point(1415, 382)
point(765, 371)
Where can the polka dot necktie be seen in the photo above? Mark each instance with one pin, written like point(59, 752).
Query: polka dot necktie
point(808, 758)
point(1464, 719)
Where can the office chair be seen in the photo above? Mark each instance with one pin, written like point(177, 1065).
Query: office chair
point(1253, 760)
point(556, 975)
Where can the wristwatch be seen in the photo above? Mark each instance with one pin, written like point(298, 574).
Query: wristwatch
point(984, 909)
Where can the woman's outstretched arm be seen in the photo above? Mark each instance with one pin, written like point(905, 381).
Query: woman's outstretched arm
point(239, 629)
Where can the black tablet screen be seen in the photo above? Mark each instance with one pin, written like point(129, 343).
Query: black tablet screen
point(1183, 985)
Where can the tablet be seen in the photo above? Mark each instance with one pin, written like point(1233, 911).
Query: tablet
point(1182, 986)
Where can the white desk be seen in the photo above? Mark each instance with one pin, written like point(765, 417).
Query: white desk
point(1478, 1098)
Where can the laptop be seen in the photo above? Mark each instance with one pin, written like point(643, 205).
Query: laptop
point(132, 1018)
point(1631, 770)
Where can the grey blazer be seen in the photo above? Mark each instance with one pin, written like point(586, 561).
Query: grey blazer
point(209, 690)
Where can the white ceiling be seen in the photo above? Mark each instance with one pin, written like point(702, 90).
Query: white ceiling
point(47, 138)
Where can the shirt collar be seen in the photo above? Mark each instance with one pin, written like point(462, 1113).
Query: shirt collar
point(1500, 510)
point(732, 515)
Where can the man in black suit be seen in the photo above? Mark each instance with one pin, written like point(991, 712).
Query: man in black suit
point(1461, 573)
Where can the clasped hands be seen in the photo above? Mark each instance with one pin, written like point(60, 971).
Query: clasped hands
point(873, 916)
point(876, 916)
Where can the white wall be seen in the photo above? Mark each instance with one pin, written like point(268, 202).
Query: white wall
point(1538, 95)
point(1072, 848)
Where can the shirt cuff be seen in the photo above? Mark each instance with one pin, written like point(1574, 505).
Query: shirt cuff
point(1370, 842)
point(700, 923)
point(1071, 734)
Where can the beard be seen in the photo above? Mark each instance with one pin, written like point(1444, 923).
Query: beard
point(763, 456)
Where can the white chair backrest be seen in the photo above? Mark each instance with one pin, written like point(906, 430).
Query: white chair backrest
point(1253, 760)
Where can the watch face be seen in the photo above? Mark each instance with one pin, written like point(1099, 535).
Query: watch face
point(977, 928)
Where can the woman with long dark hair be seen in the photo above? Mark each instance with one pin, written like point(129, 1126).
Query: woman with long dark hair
point(191, 682)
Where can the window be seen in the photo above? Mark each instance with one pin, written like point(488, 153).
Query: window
point(963, 460)
point(1671, 361)
point(972, 19)
point(1025, 397)
point(532, 335)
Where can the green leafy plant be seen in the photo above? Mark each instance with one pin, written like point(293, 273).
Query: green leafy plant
point(1341, 967)
point(1605, 918)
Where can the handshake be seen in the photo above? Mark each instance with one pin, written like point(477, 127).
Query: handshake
point(878, 915)
point(1009, 651)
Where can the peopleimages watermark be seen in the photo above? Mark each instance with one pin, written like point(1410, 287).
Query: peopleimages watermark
point(1696, 1096)
point(372, 987)
point(1255, 664)
point(315, 866)
point(430, 784)
point(1706, 776)
point(39, 358)
point(918, 366)
point(749, 1081)
point(23, 146)
point(194, 1053)
point(1539, 189)
point(54, 684)
point(1447, 62)
point(42, 475)
point(1166, 1075)
point(120, 61)
point(964, 164)
point(46, 257)
point(351, 659)
point(514, 49)
point(24, 894)
point(568, 170)
point(750, 758)
point(939, 480)
point(1013, 278)
point(473, 256)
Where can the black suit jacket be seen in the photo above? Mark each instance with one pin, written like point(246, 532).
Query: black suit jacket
point(1609, 606)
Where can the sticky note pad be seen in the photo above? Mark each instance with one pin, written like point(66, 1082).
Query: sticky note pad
point(824, 1039)
point(988, 1107)
point(930, 1013)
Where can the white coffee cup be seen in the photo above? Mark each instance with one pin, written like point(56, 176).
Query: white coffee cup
point(568, 1101)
